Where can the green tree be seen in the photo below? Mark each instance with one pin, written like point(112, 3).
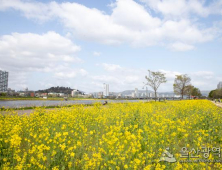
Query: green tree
point(3, 94)
point(154, 80)
point(219, 93)
point(182, 85)
point(215, 94)
point(211, 93)
point(190, 90)
point(196, 92)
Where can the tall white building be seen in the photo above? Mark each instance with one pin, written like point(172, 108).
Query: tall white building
point(147, 93)
point(3, 81)
point(219, 86)
point(136, 92)
point(74, 93)
point(106, 90)
point(133, 95)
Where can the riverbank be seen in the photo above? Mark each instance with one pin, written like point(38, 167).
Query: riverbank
point(20, 104)
point(42, 107)
point(38, 98)
point(29, 110)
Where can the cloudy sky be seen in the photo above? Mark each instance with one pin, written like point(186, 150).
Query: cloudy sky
point(85, 43)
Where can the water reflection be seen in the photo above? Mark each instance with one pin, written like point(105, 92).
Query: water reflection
point(31, 103)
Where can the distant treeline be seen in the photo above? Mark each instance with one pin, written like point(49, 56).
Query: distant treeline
point(65, 90)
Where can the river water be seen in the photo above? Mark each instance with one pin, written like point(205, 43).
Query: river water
point(31, 103)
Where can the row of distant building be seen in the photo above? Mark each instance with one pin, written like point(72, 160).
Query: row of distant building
point(134, 94)
point(103, 94)
point(4, 76)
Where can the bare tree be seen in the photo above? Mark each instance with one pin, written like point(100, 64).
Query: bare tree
point(182, 85)
point(155, 79)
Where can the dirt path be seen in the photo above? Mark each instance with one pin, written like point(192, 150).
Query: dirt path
point(218, 104)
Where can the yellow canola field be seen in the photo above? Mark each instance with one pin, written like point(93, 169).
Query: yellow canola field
point(116, 136)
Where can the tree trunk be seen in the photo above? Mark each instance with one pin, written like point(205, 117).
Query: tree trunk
point(155, 95)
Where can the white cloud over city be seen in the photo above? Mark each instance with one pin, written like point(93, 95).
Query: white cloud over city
point(129, 78)
point(22, 54)
point(175, 26)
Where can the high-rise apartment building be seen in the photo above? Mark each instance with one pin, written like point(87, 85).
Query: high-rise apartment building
point(106, 90)
point(3, 81)
point(219, 86)
point(136, 92)
point(133, 95)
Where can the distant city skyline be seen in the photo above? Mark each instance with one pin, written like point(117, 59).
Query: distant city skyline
point(83, 44)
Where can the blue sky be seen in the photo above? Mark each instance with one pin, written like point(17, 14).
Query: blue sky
point(83, 44)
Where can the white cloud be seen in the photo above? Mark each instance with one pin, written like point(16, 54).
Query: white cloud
point(203, 73)
point(106, 79)
point(180, 47)
point(125, 78)
point(119, 78)
point(122, 25)
point(23, 54)
point(181, 8)
point(70, 73)
point(111, 67)
point(30, 9)
point(170, 74)
point(219, 78)
point(95, 53)
point(175, 25)
point(204, 80)
point(124, 14)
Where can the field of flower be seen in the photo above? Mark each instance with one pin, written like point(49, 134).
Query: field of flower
point(116, 136)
